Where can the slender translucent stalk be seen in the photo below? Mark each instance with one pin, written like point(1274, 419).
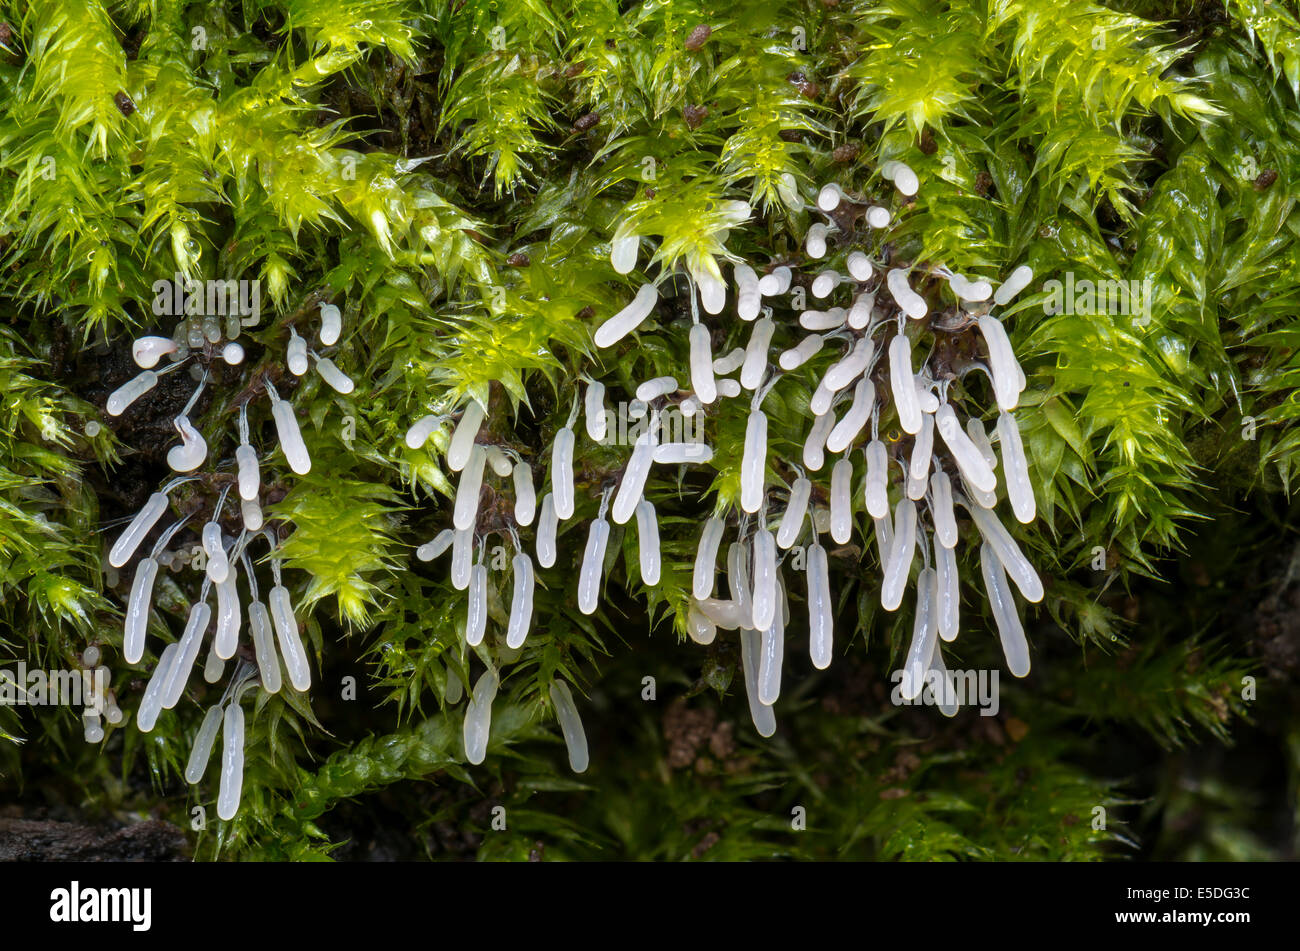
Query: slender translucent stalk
point(593, 560)
point(755, 364)
point(764, 589)
point(855, 418)
point(1014, 646)
point(820, 624)
point(1015, 469)
point(901, 551)
point(201, 752)
point(647, 533)
point(547, 525)
point(969, 459)
point(137, 611)
point(476, 605)
point(627, 319)
point(842, 501)
point(795, 509)
point(461, 445)
point(268, 661)
point(575, 738)
point(706, 558)
point(562, 473)
point(753, 465)
point(902, 384)
point(478, 716)
point(232, 762)
point(286, 629)
point(923, 636)
point(521, 601)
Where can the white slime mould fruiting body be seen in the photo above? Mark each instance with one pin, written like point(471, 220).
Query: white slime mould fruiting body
point(462, 441)
point(476, 605)
point(575, 739)
point(702, 364)
point(203, 742)
point(478, 716)
point(594, 410)
point(706, 558)
point(593, 560)
point(525, 493)
point(140, 526)
point(331, 324)
point(562, 473)
point(647, 530)
point(232, 762)
point(842, 501)
point(130, 391)
point(792, 520)
point(628, 319)
point(753, 465)
point(286, 630)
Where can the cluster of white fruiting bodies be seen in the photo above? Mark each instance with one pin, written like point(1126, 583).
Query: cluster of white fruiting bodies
point(268, 622)
point(934, 474)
